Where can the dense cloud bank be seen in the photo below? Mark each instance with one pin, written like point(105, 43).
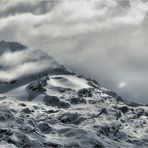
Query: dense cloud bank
point(106, 39)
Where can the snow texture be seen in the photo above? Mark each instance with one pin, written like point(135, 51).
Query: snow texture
point(58, 108)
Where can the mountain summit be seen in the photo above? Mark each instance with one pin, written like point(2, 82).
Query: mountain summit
point(10, 46)
point(54, 107)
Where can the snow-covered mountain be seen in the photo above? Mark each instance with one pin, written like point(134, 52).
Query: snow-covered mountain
point(20, 65)
point(54, 107)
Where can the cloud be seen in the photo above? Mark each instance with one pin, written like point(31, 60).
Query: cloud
point(19, 7)
point(24, 63)
point(105, 39)
point(70, 18)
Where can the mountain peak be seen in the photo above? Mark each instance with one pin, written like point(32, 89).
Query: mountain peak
point(11, 46)
point(18, 65)
point(45, 105)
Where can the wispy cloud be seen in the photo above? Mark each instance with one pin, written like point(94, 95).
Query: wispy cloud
point(23, 63)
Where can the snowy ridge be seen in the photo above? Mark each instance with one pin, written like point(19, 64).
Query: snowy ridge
point(48, 114)
point(11, 46)
point(58, 108)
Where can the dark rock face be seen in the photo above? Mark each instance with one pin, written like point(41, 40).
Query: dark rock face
point(5, 115)
point(85, 93)
point(103, 111)
point(26, 110)
point(51, 100)
point(36, 86)
point(76, 100)
point(21, 140)
point(70, 118)
point(44, 127)
point(63, 104)
point(11, 46)
point(139, 112)
point(55, 101)
point(51, 144)
point(124, 109)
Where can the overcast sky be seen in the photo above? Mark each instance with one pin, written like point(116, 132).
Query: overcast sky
point(105, 39)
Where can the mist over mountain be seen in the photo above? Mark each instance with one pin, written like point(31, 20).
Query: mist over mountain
point(73, 73)
point(44, 104)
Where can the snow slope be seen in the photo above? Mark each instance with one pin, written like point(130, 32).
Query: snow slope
point(61, 109)
point(67, 81)
point(70, 111)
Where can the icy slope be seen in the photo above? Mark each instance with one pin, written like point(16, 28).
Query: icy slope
point(46, 105)
point(70, 111)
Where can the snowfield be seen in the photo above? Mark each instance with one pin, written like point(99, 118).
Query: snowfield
point(58, 108)
point(67, 81)
point(69, 111)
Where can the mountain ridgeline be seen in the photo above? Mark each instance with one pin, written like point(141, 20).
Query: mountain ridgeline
point(43, 104)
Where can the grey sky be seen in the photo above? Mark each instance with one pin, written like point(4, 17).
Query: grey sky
point(105, 39)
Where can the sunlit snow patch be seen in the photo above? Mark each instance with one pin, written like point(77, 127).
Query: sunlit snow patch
point(67, 81)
